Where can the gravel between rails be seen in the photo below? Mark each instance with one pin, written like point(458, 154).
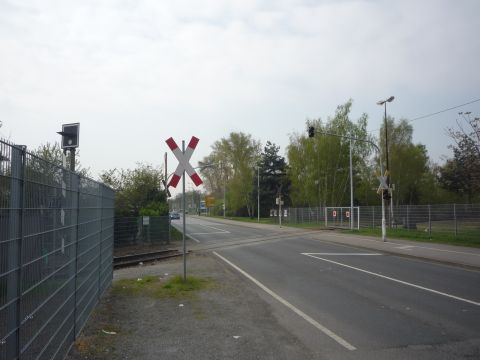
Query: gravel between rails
point(228, 321)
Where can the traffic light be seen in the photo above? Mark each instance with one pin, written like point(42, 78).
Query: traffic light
point(386, 194)
point(311, 131)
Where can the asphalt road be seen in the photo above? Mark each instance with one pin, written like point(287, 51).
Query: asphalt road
point(345, 302)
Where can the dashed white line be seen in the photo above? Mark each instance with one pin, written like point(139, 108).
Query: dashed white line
point(395, 280)
point(297, 311)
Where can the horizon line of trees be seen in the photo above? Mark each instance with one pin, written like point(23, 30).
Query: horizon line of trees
point(314, 173)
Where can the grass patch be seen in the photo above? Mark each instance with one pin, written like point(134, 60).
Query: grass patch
point(156, 287)
point(467, 238)
point(175, 235)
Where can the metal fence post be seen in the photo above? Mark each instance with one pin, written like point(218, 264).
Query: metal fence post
point(77, 177)
point(358, 214)
point(373, 217)
point(429, 221)
point(101, 243)
point(16, 228)
point(455, 219)
point(408, 219)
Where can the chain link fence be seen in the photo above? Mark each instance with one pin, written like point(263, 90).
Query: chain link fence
point(56, 243)
point(455, 219)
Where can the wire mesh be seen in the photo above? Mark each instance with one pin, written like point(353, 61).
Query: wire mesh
point(141, 230)
point(56, 242)
point(457, 220)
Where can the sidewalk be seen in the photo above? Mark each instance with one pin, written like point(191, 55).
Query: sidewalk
point(227, 321)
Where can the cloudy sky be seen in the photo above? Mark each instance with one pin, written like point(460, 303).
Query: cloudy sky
point(135, 72)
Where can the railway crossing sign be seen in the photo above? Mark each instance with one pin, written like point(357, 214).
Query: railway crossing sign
point(183, 161)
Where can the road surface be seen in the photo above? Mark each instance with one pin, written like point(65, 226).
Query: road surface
point(346, 302)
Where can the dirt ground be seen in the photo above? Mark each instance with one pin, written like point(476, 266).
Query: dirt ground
point(228, 320)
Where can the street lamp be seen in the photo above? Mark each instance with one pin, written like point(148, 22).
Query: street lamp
point(388, 195)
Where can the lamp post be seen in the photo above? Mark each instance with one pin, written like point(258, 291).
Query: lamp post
point(389, 192)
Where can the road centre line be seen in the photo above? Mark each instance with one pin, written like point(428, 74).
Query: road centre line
point(310, 320)
point(395, 280)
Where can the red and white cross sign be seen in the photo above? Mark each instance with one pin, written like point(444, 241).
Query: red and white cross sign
point(183, 161)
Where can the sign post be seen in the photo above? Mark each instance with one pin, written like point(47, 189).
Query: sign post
point(183, 156)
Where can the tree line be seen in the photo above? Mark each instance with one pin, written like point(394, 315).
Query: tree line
point(314, 173)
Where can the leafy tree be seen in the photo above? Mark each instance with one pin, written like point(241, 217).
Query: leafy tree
point(273, 179)
point(235, 158)
point(53, 154)
point(408, 162)
point(319, 166)
point(461, 174)
point(138, 191)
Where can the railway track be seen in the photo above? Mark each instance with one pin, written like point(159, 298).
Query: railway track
point(136, 259)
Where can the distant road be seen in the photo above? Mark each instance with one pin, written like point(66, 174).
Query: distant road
point(347, 302)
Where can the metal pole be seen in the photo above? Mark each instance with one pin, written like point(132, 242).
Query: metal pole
point(72, 159)
point(258, 193)
point(184, 223)
point(351, 188)
point(429, 221)
point(280, 209)
point(386, 155)
point(455, 219)
point(224, 191)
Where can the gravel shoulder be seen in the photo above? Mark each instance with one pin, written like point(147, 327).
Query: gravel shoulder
point(226, 321)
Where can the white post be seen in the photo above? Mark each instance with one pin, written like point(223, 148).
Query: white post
point(184, 224)
point(351, 188)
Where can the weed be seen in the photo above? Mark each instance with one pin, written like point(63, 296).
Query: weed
point(155, 287)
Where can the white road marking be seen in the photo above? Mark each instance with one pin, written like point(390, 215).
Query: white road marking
point(388, 242)
point(313, 322)
point(219, 231)
point(406, 247)
point(346, 254)
point(396, 280)
point(191, 237)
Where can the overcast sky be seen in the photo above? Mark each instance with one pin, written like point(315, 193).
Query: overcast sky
point(134, 72)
